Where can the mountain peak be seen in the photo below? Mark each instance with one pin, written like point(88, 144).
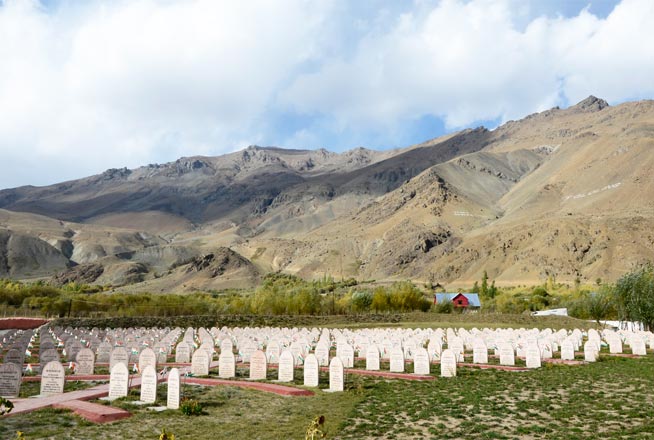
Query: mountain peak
point(590, 104)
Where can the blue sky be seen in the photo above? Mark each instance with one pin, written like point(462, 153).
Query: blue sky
point(88, 85)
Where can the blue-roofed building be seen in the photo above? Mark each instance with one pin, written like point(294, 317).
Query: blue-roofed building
point(462, 300)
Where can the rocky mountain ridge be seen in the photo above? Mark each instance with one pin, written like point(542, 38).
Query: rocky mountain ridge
point(565, 193)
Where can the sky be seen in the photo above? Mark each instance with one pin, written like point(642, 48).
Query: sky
point(87, 85)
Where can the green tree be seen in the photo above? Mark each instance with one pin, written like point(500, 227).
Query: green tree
point(483, 291)
point(601, 304)
point(635, 296)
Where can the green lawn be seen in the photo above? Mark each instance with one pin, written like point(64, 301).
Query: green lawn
point(609, 399)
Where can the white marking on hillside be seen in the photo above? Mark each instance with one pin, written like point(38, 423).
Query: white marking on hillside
point(593, 192)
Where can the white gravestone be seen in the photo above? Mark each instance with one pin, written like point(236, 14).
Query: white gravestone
point(172, 400)
point(311, 371)
point(322, 353)
point(567, 350)
point(149, 384)
point(53, 377)
point(85, 361)
point(507, 354)
point(182, 353)
point(226, 365)
point(118, 381)
point(533, 355)
point(336, 375)
point(590, 351)
point(448, 363)
point(258, 366)
point(118, 355)
point(10, 380)
point(421, 364)
point(479, 352)
point(397, 360)
point(200, 363)
point(372, 358)
point(346, 353)
point(147, 357)
point(286, 366)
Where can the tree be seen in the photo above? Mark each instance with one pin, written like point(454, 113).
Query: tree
point(483, 291)
point(475, 287)
point(600, 304)
point(635, 296)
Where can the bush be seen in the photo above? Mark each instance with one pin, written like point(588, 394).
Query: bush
point(190, 407)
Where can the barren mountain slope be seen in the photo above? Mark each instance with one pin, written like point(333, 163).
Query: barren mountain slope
point(563, 192)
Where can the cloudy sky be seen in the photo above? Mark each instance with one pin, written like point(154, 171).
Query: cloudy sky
point(88, 85)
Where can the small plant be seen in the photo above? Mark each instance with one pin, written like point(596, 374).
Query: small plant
point(190, 407)
point(5, 406)
point(166, 435)
point(315, 429)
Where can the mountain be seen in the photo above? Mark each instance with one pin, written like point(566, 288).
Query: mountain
point(565, 193)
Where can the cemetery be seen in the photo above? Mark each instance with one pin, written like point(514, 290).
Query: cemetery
point(409, 382)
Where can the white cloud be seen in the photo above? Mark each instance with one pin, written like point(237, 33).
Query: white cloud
point(86, 86)
point(129, 82)
point(468, 61)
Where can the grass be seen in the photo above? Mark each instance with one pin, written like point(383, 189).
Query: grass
point(608, 399)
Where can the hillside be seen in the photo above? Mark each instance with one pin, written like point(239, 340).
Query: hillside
point(566, 192)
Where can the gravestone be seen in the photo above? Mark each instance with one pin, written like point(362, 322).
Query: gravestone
point(272, 352)
point(336, 375)
point(172, 401)
point(85, 361)
point(448, 363)
point(286, 366)
point(48, 355)
point(15, 356)
point(372, 358)
point(118, 381)
point(322, 353)
point(149, 384)
point(258, 366)
point(533, 356)
point(72, 349)
point(434, 349)
point(507, 354)
point(615, 344)
point(52, 378)
point(103, 352)
point(638, 346)
point(147, 357)
point(200, 363)
point(567, 350)
point(479, 352)
point(421, 364)
point(346, 353)
point(311, 371)
point(397, 360)
point(590, 351)
point(10, 380)
point(226, 365)
point(183, 353)
point(118, 356)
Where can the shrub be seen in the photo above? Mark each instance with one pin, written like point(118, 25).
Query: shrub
point(190, 407)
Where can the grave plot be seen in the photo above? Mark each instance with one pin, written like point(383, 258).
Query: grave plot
point(270, 359)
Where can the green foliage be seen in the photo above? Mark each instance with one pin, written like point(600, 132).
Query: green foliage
point(444, 307)
point(634, 294)
point(190, 407)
